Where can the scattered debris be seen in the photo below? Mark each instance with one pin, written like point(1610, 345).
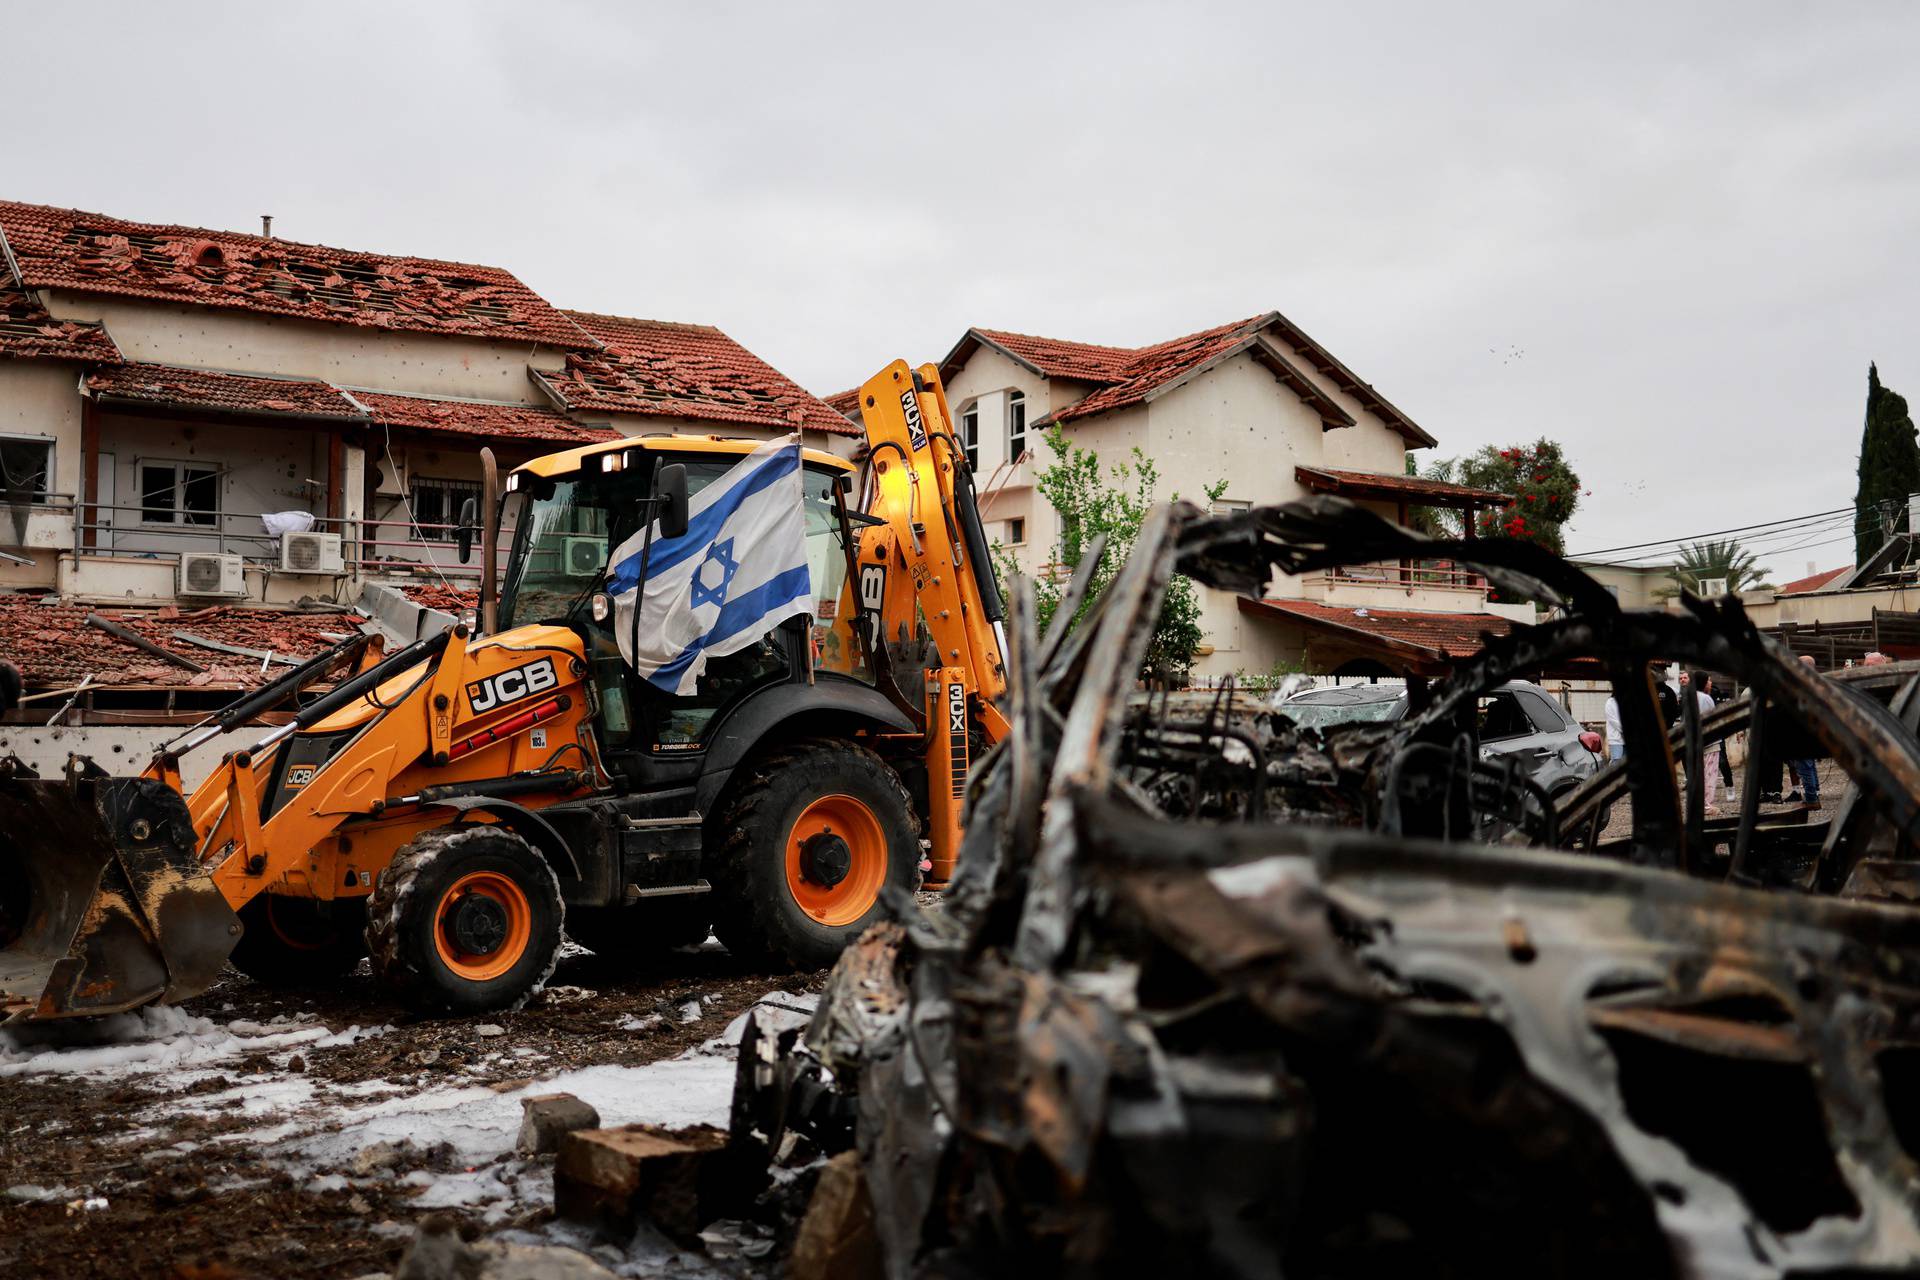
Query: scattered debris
point(676, 1179)
point(550, 1116)
point(439, 1252)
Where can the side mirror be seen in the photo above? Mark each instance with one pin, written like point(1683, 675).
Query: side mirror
point(464, 531)
point(670, 489)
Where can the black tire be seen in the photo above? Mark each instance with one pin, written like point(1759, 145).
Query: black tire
point(292, 942)
point(755, 912)
point(647, 928)
point(411, 951)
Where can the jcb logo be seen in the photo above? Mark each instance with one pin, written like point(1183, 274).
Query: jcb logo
point(299, 776)
point(513, 685)
point(916, 428)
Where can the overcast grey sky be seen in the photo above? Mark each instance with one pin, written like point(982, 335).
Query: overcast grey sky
point(1669, 236)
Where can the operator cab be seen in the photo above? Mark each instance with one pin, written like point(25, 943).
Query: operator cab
point(569, 512)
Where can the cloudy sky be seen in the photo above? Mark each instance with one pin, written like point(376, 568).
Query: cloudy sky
point(1669, 236)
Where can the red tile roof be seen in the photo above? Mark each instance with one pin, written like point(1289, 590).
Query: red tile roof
point(1083, 360)
point(1438, 635)
point(1129, 376)
point(684, 371)
point(93, 253)
point(478, 419)
point(1151, 368)
point(54, 648)
point(28, 332)
point(1368, 484)
point(1812, 583)
point(845, 403)
point(202, 390)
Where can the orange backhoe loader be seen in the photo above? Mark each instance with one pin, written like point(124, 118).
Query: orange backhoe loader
point(449, 809)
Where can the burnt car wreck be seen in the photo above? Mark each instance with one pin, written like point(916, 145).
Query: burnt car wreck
point(1215, 995)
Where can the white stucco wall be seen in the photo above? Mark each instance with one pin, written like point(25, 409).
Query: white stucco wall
point(250, 342)
point(40, 400)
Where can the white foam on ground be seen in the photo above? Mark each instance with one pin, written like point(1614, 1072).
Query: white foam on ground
point(144, 1041)
point(314, 1129)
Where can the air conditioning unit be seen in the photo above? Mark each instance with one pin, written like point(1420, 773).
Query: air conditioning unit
point(315, 553)
point(1708, 588)
point(392, 482)
point(584, 555)
point(206, 573)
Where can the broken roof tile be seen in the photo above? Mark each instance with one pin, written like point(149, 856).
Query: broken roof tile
point(1130, 375)
point(92, 253)
point(480, 419)
point(27, 332)
point(54, 648)
point(204, 390)
point(685, 371)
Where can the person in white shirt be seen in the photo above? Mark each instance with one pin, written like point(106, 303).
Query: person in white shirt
point(1616, 744)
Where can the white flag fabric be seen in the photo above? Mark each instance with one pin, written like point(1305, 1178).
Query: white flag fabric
point(738, 571)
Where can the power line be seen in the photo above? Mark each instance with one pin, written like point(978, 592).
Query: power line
point(1695, 537)
point(1759, 544)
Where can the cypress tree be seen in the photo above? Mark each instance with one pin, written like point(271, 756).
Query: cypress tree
point(1889, 468)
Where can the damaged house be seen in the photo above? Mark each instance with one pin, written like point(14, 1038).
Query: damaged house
point(210, 422)
point(1257, 402)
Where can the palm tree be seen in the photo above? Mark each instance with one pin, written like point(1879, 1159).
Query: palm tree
point(1705, 561)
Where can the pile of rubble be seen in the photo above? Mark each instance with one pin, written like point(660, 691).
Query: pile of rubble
point(1294, 1015)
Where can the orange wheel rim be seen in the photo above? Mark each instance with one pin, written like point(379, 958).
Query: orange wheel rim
point(836, 859)
point(482, 926)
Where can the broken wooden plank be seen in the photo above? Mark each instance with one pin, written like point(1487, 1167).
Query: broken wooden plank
point(140, 642)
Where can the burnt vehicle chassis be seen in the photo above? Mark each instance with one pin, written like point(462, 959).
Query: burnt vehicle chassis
point(1280, 1015)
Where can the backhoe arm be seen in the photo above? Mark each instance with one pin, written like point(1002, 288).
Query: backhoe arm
point(934, 579)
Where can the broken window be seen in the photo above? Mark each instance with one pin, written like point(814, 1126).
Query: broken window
point(1016, 427)
point(179, 493)
point(26, 469)
point(436, 506)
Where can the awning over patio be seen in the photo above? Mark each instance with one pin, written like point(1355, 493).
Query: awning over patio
point(1369, 486)
point(1405, 641)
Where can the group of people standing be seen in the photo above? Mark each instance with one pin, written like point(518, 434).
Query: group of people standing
point(1797, 755)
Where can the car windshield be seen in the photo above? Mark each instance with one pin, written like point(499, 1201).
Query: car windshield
point(1315, 711)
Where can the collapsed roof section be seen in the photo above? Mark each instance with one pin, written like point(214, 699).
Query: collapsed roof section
point(27, 332)
point(660, 368)
point(165, 388)
point(93, 253)
point(55, 647)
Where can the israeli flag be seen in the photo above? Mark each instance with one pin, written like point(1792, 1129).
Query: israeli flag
point(738, 571)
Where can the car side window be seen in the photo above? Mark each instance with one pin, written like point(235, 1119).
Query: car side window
point(1545, 716)
point(1501, 717)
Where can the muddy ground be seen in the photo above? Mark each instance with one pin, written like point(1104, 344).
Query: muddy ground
point(249, 1157)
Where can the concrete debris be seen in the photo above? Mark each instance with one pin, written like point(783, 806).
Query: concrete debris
point(438, 1252)
point(1363, 1004)
point(677, 1179)
point(382, 1156)
point(548, 1117)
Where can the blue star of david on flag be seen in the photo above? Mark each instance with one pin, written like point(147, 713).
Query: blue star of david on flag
point(738, 571)
point(710, 583)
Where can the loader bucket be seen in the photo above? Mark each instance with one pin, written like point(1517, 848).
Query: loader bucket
point(104, 905)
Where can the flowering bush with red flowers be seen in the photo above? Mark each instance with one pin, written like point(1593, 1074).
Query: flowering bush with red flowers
point(1542, 491)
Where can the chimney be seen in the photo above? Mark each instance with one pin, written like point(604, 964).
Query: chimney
point(266, 225)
